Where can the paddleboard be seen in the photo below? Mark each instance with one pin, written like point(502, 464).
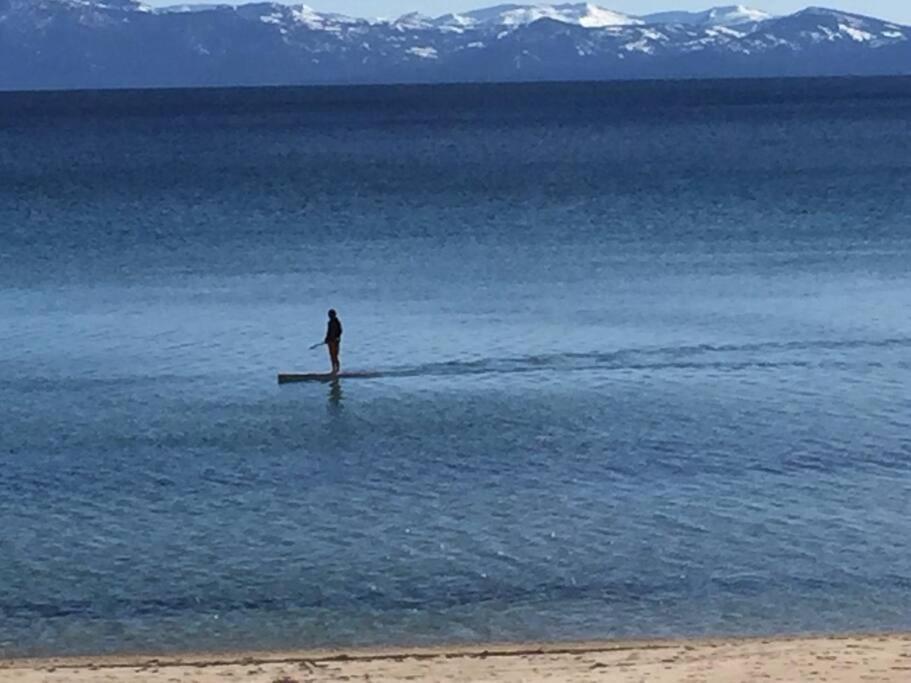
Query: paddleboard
point(288, 378)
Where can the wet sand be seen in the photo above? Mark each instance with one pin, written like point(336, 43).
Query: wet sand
point(853, 659)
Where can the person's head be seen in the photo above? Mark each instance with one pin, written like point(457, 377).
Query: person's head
point(332, 314)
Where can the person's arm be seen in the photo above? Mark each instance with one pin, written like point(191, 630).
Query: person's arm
point(328, 332)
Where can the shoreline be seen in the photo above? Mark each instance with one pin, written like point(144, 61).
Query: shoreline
point(839, 658)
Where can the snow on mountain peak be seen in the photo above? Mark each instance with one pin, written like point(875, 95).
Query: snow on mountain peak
point(731, 15)
point(106, 41)
point(822, 17)
point(817, 26)
point(593, 16)
point(305, 15)
point(414, 20)
point(587, 15)
point(120, 5)
point(191, 8)
point(736, 14)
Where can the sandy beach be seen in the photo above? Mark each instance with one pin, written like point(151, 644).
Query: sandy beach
point(885, 658)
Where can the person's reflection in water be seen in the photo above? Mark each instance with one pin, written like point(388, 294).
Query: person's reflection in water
point(335, 394)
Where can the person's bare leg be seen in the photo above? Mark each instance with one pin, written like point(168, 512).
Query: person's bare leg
point(333, 357)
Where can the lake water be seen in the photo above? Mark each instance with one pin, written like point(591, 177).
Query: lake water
point(645, 357)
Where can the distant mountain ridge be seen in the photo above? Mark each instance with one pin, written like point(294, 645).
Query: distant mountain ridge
point(123, 43)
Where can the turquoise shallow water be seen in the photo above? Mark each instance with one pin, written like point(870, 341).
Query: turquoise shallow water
point(644, 354)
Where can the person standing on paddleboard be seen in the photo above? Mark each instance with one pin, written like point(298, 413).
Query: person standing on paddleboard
point(334, 340)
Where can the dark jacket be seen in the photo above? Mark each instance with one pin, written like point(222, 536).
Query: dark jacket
point(334, 331)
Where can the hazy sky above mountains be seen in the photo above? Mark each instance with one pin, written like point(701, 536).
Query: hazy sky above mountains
point(894, 10)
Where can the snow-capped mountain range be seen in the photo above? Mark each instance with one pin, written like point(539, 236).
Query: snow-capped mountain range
point(123, 43)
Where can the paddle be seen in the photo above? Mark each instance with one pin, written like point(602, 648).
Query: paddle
point(316, 346)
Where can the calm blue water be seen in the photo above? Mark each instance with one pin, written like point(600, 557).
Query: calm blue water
point(646, 353)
